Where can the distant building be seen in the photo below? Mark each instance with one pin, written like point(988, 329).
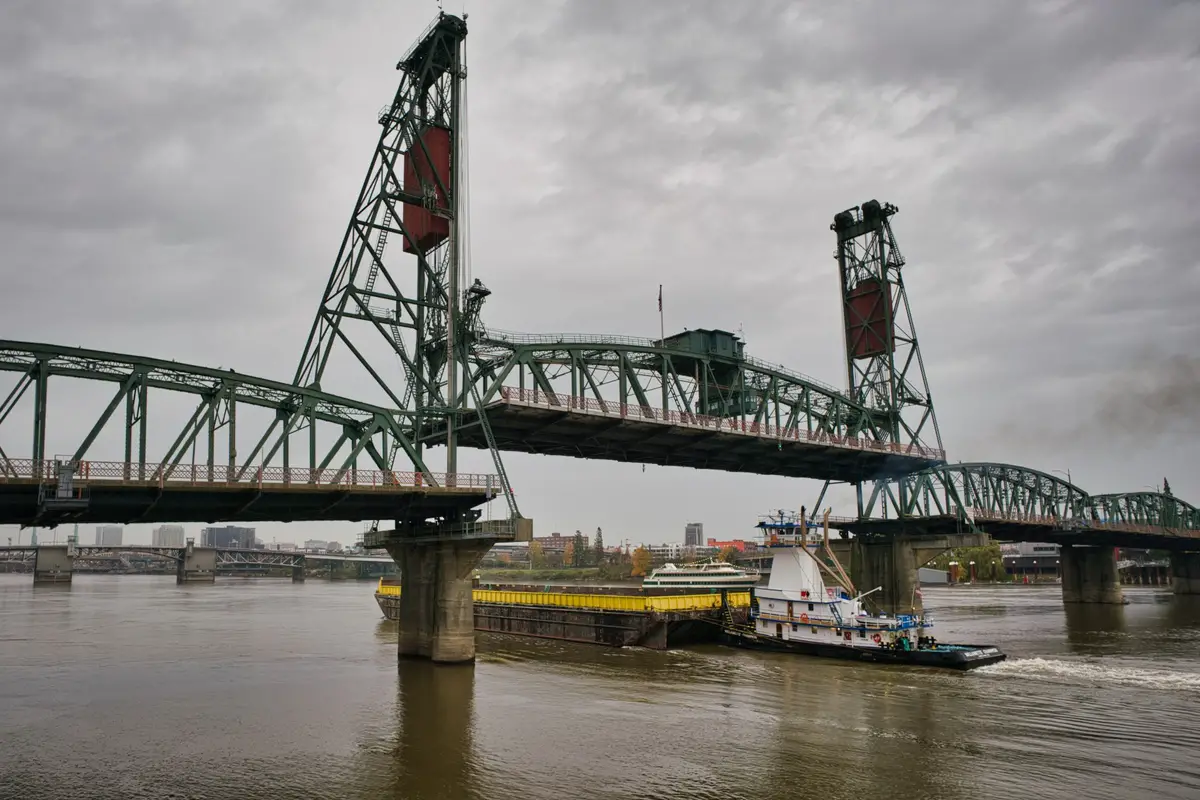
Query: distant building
point(109, 535)
point(693, 534)
point(316, 544)
point(230, 536)
point(283, 546)
point(554, 543)
point(741, 545)
point(334, 547)
point(167, 536)
point(1031, 558)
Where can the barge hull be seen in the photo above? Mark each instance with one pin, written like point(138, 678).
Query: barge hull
point(655, 630)
point(956, 656)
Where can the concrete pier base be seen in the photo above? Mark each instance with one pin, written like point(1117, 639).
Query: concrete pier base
point(198, 565)
point(52, 564)
point(298, 574)
point(437, 618)
point(1089, 575)
point(892, 563)
point(1185, 573)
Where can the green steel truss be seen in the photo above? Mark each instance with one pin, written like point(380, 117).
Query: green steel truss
point(393, 304)
point(623, 370)
point(231, 425)
point(980, 492)
point(967, 490)
point(1155, 509)
point(884, 368)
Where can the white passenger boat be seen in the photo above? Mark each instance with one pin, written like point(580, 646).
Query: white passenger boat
point(707, 575)
point(798, 611)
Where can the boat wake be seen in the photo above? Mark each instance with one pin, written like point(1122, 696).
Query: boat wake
point(1076, 672)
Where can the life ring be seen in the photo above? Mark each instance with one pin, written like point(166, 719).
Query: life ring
point(877, 638)
point(804, 617)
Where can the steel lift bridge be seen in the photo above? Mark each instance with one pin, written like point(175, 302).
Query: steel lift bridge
point(400, 320)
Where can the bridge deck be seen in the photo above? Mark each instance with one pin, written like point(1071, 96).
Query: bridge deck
point(265, 495)
point(584, 428)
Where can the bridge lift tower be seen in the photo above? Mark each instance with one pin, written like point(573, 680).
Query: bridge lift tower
point(397, 285)
point(884, 369)
point(396, 293)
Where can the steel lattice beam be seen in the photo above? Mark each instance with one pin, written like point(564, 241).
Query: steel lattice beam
point(1005, 499)
point(668, 385)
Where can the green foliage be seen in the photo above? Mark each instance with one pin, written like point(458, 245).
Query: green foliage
point(579, 553)
point(989, 563)
point(537, 556)
point(728, 554)
point(598, 548)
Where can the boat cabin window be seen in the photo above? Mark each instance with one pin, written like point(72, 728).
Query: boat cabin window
point(810, 606)
point(862, 633)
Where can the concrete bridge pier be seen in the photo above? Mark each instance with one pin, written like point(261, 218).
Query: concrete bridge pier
point(1185, 573)
point(1089, 575)
point(197, 565)
point(893, 562)
point(298, 573)
point(437, 615)
point(52, 564)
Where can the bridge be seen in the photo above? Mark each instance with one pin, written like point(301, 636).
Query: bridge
point(55, 564)
point(396, 311)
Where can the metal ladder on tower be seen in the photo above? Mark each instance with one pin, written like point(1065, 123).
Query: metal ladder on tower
point(381, 243)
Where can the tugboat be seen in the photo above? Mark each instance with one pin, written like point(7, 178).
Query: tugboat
point(798, 612)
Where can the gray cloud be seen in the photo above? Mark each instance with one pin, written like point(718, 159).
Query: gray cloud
point(177, 178)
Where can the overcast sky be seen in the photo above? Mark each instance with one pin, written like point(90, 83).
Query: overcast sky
point(175, 179)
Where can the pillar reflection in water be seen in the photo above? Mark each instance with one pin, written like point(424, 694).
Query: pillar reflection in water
point(435, 749)
point(1090, 626)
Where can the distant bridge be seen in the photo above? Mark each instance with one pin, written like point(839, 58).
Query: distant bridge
point(61, 557)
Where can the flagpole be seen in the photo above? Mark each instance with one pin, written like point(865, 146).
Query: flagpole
point(662, 336)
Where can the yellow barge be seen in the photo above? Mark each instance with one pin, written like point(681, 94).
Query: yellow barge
point(657, 621)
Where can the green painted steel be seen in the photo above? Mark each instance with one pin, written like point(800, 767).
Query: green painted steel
point(1159, 509)
point(394, 308)
point(304, 427)
point(670, 376)
point(884, 368)
point(977, 493)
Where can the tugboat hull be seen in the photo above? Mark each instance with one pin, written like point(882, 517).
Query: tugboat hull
point(946, 656)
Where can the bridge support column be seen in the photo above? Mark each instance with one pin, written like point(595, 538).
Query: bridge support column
point(52, 564)
point(437, 613)
point(1185, 573)
point(1089, 575)
point(197, 565)
point(298, 573)
point(893, 563)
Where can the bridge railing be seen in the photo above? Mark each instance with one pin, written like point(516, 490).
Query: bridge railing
point(590, 405)
point(985, 515)
point(224, 475)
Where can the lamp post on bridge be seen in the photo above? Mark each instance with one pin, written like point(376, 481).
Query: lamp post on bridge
point(1066, 472)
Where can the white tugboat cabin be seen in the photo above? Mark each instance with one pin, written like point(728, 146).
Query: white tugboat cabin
point(810, 606)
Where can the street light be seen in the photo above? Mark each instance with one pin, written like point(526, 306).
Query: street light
point(1065, 472)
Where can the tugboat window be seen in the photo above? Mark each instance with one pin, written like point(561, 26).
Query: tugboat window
point(810, 606)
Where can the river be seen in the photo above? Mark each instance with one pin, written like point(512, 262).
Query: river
point(133, 687)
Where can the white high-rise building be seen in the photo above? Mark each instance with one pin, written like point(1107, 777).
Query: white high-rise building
point(167, 536)
point(109, 535)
